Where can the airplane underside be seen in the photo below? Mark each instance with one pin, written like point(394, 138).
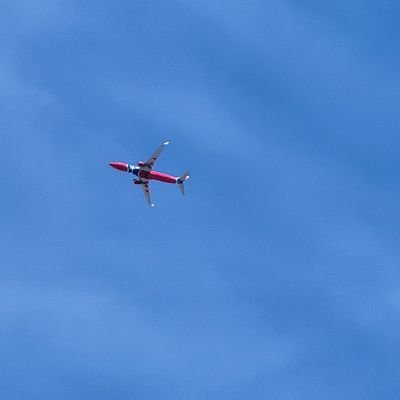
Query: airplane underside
point(144, 172)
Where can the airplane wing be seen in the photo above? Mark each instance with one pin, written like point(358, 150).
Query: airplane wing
point(146, 191)
point(154, 157)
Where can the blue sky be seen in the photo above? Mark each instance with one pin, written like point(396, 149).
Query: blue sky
point(277, 276)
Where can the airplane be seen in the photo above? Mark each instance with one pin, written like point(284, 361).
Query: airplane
point(144, 172)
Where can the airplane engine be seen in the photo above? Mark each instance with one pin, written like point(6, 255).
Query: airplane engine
point(137, 182)
point(141, 164)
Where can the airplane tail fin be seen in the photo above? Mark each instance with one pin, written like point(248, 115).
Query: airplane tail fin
point(181, 181)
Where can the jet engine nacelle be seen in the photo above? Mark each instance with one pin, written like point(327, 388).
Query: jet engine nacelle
point(137, 182)
point(141, 163)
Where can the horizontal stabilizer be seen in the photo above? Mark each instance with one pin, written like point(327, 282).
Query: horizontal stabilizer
point(181, 181)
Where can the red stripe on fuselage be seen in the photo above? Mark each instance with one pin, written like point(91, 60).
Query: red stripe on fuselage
point(158, 176)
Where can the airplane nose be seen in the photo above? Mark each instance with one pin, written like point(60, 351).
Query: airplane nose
point(120, 166)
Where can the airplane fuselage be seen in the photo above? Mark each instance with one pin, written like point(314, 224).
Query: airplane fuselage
point(158, 176)
point(143, 174)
